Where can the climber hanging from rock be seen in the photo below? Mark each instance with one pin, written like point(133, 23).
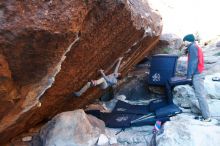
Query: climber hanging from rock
point(104, 82)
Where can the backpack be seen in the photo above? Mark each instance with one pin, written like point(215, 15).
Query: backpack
point(201, 59)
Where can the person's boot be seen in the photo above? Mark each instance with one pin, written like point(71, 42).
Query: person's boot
point(200, 118)
point(207, 120)
point(84, 89)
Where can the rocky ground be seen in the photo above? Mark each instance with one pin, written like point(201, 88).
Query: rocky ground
point(76, 128)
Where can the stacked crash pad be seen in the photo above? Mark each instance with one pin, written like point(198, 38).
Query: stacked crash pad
point(126, 115)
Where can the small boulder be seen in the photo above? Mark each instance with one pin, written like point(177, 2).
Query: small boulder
point(183, 130)
point(184, 96)
point(212, 87)
point(103, 140)
point(73, 128)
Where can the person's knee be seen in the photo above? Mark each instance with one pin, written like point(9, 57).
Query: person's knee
point(202, 100)
point(89, 83)
point(92, 83)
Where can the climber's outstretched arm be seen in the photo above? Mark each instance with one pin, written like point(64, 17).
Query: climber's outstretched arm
point(118, 65)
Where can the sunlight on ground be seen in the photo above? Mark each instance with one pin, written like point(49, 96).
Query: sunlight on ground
point(190, 16)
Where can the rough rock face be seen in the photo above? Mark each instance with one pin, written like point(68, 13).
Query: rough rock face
point(183, 130)
point(48, 49)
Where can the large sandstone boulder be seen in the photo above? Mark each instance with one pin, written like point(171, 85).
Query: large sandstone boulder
point(48, 49)
point(73, 128)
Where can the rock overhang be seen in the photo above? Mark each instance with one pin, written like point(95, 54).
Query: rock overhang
point(52, 48)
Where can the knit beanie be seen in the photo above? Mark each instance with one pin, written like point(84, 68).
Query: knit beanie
point(189, 38)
